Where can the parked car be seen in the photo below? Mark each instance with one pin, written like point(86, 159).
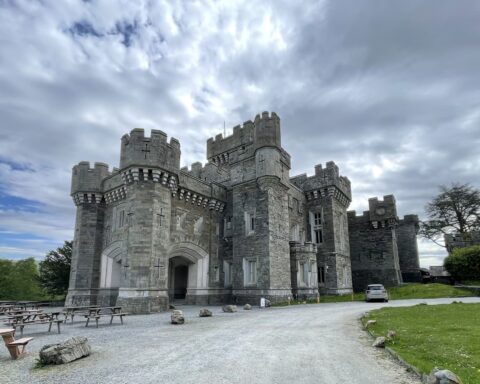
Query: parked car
point(376, 292)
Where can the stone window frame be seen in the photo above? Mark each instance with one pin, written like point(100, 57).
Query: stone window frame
point(316, 219)
point(247, 271)
point(250, 223)
point(227, 273)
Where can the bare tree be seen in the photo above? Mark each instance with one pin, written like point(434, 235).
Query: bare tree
point(456, 209)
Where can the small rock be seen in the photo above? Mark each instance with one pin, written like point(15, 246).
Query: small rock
point(391, 334)
point(177, 317)
point(205, 313)
point(247, 307)
point(370, 322)
point(229, 308)
point(268, 303)
point(443, 376)
point(379, 342)
point(62, 353)
point(171, 306)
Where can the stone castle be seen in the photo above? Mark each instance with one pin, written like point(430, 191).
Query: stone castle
point(232, 231)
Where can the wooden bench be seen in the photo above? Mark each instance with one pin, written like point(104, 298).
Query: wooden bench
point(13, 347)
point(98, 316)
point(49, 322)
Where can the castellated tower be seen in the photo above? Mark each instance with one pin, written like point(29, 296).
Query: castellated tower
point(256, 254)
point(328, 195)
point(374, 244)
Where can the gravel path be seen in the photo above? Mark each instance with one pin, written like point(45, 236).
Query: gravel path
point(300, 344)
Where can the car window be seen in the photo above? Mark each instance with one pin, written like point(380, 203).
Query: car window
point(375, 288)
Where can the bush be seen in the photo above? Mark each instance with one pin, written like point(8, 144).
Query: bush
point(464, 263)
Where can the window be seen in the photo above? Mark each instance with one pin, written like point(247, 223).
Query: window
point(321, 275)
point(249, 223)
point(227, 270)
point(316, 226)
point(250, 272)
point(304, 273)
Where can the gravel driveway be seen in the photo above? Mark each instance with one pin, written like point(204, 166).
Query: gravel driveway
point(298, 344)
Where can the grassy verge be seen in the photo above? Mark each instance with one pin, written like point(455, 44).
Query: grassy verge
point(407, 291)
point(428, 336)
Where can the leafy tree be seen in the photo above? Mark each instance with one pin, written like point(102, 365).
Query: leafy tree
point(19, 280)
point(464, 263)
point(55, 270)
point(456, 209)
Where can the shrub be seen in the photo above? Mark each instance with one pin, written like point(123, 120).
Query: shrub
point(464, 263)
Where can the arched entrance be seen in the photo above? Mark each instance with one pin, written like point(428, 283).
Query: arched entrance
point(187, 272)
point(111, 266)
point(178, 272)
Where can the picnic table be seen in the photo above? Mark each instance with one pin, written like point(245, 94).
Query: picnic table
point(8, 335)
point(79, 310)
point(34, 318)
point(97, 313)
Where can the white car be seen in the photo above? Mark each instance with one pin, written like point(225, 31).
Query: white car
point(376, 292)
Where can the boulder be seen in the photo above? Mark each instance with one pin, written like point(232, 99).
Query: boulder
point(177, 317)
point(247, 307)
point(268, 303)
point(391, 334)
point(205, 313)
point(443, 376)
point(379, 342)
point(62, 353)
point(229, 308)
point(370, 322)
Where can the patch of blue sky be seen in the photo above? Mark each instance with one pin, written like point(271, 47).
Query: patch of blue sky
point(9, 202)
point(16, 246)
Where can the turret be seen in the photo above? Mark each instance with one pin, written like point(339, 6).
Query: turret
point(154, 151)
point(267, 130)
point(383, 210)
point(87, 182)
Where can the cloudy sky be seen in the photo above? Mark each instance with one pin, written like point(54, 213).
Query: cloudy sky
point(388, 90)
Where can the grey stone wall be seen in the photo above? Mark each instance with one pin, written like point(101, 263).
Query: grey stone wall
point(462, 240)
point(373, 245)
point(407, 230)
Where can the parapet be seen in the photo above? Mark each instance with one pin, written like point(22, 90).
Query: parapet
point(263, 131)
point(86, 179)
point(207, 173)
point(137, 149)
point(382, 209)
point(324, 178)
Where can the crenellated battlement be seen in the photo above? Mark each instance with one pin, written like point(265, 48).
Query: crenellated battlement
point(88, 179)
point(381, 213)
point(326, 182)
point(138, 149)
point(263, 131)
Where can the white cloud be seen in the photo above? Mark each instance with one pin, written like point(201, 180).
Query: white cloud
point(388, 92)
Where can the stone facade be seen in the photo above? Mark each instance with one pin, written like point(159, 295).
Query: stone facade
point(460, 240)
point(234, 230)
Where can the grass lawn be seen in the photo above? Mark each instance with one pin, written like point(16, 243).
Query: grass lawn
point(407, 291)
point(445, 336)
